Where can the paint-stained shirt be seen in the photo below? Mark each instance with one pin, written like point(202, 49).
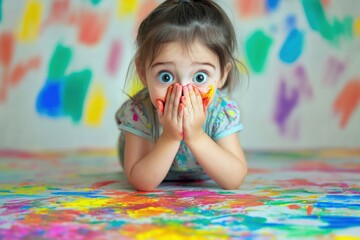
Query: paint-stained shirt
point(138, 116)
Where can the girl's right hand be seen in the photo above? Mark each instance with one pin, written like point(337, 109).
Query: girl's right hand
point(171, 112)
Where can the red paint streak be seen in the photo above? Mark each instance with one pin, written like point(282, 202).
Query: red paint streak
point(309, 210)
point(347, 101)
point(59, 10)
point(325, 3)
point(6, 48)
point(103, 184)
point(91, 26)
point(21, 70)
point(293, 206)
point(144, 10)
point(250, 8)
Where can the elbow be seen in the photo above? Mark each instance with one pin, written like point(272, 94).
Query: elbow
point(236, 182)
point(144, 186)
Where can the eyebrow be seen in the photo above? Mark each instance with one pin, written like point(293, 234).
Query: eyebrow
point(197, 63)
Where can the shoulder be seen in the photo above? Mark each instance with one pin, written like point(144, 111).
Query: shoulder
point(224, 115)
point(135, 111)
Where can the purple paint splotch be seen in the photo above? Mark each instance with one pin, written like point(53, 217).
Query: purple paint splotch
point(290, 94)
point(285, 104)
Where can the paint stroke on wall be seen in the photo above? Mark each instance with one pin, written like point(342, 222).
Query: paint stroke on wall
point(1, 3)
point(257, 48)
point(113, 62)
point(292, 47)
point(126, 8)
point(13, 73)
point(63, 95)
point(329, 30)
point(30, 24)
point(291, 91)
point(347, 101)
point(96, 105)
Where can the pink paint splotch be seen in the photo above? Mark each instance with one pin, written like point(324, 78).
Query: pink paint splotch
point(333, 71)
point(113, 62)
point(347, 101)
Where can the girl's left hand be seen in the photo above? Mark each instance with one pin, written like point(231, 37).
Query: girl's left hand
point(194, 114)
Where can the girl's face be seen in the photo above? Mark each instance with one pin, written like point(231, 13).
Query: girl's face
point(197, 66)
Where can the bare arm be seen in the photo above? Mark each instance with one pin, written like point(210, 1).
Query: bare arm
point(224, 161)
point(146, 164)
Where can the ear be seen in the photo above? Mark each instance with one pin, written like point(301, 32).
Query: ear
point(222, 81)
point(140, 71)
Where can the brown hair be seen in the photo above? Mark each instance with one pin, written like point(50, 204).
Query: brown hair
point(187, 21)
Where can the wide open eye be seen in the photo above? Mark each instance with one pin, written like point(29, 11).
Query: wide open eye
point(200, 78)
point(165, 77)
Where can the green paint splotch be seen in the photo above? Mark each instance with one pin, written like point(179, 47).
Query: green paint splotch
point(257, 49)
point(63, 95)
point(329, 30)
point(76, 86)
point(95, 2)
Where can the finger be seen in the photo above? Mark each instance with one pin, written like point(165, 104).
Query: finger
point(168, 99)
point(177, 98)
point(160, 107)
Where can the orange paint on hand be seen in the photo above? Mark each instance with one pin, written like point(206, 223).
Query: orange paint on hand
point(347, 101)
point(207, 96)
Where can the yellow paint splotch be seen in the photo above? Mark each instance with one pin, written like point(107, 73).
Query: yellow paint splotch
point(180, 232)
point(356, 27)
point(149, 211)
point(83, 204)
point(96, 106)
point(126, 8)
point(31, 21)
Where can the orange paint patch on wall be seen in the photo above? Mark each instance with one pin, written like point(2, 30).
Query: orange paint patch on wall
point(6, 48)
point(145, 8)
point(21, 69)
point(347, 101)
point(325, 3)
point(92, 26)
point(250, 8)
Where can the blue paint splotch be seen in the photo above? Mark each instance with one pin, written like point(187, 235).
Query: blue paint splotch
point(63, 95)
point(272, 5)
point(292, 47)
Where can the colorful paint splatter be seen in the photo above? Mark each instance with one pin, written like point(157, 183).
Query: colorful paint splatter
point(84, 195)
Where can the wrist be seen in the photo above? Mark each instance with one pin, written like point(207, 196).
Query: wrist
point(195, 138)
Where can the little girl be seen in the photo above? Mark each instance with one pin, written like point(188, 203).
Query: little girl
point(181, 126)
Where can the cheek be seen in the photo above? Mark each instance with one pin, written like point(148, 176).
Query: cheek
point(207, 94)
point(157, 94)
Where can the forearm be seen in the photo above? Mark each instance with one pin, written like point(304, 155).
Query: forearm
point(225, 168)
point(150, 171)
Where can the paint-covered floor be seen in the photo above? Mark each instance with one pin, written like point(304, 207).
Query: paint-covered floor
point(83, 195)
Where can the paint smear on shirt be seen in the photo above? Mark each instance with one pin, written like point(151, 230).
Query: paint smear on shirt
point(347, 101)
point(30, 24)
